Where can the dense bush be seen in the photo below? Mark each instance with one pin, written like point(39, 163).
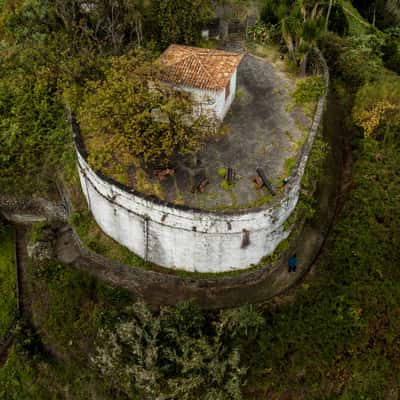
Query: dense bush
point(383, 13)
point(355, 60)
point(177, 353)
point(391, 50)
point(377, 108)
point(178, 21)
point(309, 89)
point(33, 131)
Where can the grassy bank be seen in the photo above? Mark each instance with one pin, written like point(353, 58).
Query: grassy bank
point(8, 301)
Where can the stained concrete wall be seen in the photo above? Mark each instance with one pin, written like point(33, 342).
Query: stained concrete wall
point(189, 239)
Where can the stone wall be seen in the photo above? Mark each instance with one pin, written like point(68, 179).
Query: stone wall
point(190, 239)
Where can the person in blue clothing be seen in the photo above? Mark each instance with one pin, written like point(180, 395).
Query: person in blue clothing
point(292, 263)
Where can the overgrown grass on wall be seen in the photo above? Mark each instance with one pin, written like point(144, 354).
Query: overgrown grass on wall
point(8, 300)
point(96, 240)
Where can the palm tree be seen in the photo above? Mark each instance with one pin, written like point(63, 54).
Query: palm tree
point(311, 17)
point(301, 25)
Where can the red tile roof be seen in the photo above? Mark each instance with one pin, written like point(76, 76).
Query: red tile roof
point(198, 68)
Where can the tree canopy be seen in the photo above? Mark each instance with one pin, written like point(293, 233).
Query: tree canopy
point(132, 118)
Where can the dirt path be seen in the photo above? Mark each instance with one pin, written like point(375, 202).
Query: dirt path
point(25, 304)
point(340, 141)
point(23, 297)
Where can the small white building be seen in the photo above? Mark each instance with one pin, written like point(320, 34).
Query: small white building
point(209, 75)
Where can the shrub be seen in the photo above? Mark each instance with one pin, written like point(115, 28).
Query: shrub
point(179, 354)
point(179, 21)
point(338, 21)
point(377, 108)
point(309, 90)
point(391, 50)
point(356, 59)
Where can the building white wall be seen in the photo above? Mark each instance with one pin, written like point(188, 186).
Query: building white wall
point(210, 102)
point(229, 100)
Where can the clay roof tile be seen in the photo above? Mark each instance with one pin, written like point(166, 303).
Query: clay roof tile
point(198, 68)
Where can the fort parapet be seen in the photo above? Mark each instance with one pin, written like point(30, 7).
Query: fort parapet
point(186, 238)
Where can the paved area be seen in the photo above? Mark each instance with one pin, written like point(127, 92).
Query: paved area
point(263, 131)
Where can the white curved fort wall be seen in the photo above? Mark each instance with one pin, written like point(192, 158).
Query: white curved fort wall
point(184, 239)
point(192, 240)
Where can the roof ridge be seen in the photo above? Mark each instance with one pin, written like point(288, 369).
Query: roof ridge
point(212, 78)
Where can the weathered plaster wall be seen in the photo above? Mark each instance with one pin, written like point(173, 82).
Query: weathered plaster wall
point(189, 239)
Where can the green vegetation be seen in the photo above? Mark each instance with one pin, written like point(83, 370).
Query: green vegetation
point(8, 297)
point(289, 165)
point(37, 231)
point(391, 50)
point(380, 13)
point(127, 350)
point(357, 24)
point(179, 21)
point(94, 238)
point(33, 131)
point(336, 338)
point(309, 89)
point(377, 108)
point(222, 172)
point(29, 369)
point(298, 23)
point(150, 125)
point(307, 93)
point(49, 51)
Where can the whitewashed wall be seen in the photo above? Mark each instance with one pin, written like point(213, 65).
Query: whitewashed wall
point(183, 238)
point(212, 102)
point(192, 240)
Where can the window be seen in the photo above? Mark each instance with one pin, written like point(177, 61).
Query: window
point(228, 90)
